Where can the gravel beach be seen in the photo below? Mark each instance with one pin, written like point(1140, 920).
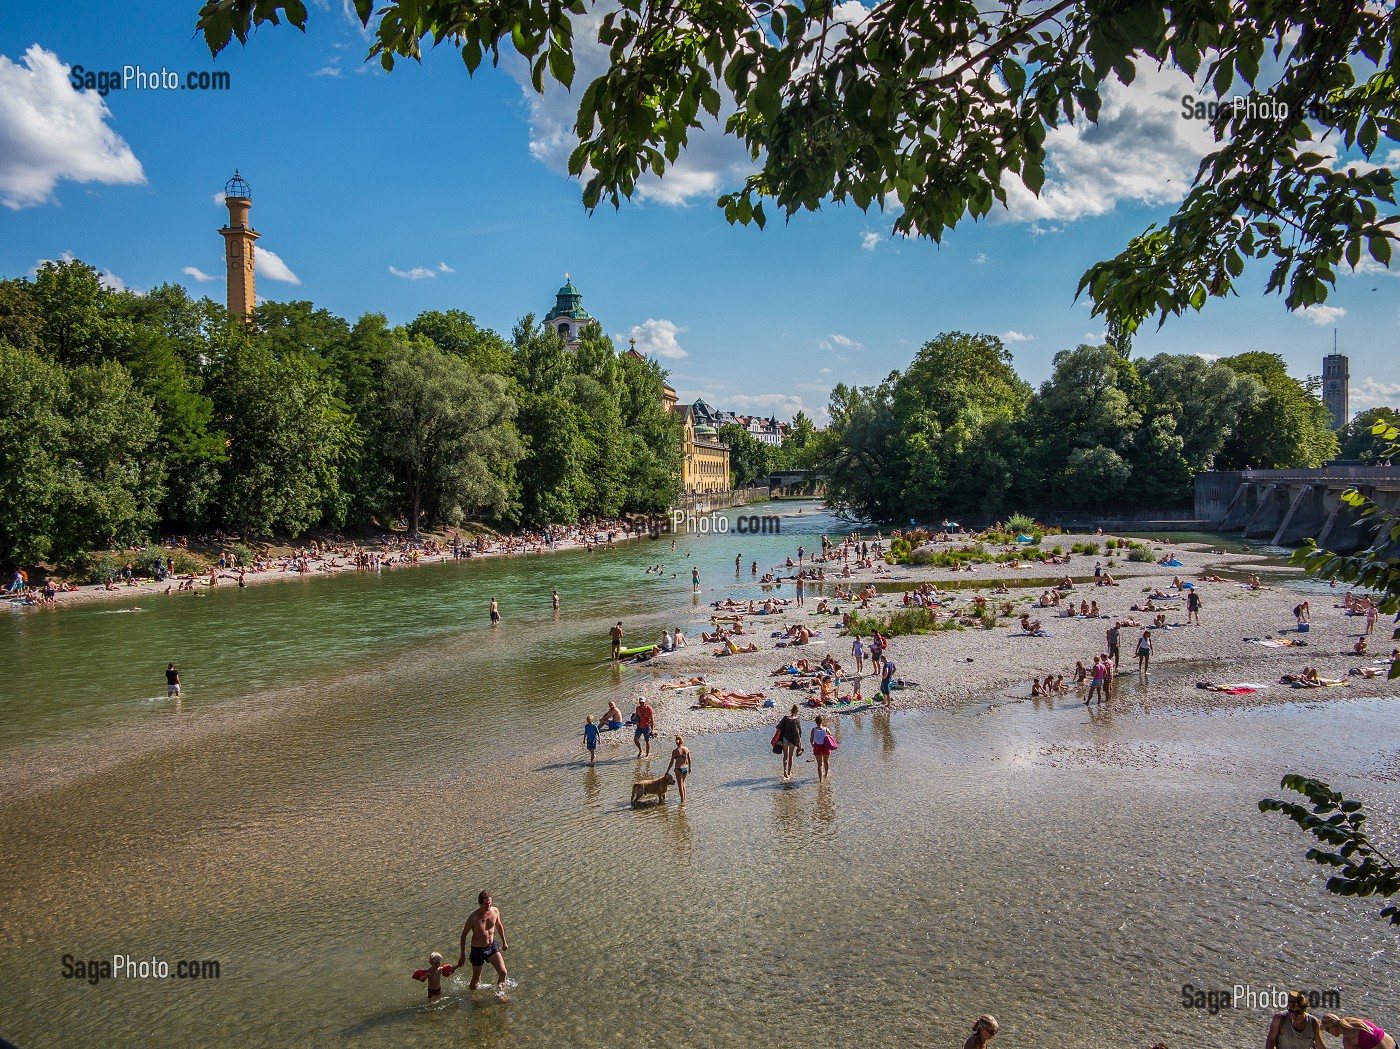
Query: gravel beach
point(995, 667)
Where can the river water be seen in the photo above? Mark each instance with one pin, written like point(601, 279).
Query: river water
point(356, 757)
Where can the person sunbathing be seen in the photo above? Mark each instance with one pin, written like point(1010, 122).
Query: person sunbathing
point(689, 682)
point(1094, 609)
point(1206, 578)
point(1029, 625)
point(731, 649)
point(1159, 622)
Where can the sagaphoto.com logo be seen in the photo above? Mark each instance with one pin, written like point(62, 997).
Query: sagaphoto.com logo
point(138, 78)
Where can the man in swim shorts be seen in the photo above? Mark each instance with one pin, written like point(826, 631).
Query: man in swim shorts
point(172, 681)
point(616, 635)
point(646, 726)
point(495, 612)
point(484, 925)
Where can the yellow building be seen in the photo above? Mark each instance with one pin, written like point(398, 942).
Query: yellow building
point(238, 247)
point(706, 466)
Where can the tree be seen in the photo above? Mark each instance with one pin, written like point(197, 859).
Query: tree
point(32, 428)
point(934, 110)
point(748, 456)
point(1358, 438)
point(455, 332)
point(1287, 428)
point(1085, 423)
point(75, 468)
point(287, 434)
point(855, 449)
point(956, 387)
point(1203, 398)
point(443, 427)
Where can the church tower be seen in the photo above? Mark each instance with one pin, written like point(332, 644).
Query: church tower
point(238, 247)
point(568, 317)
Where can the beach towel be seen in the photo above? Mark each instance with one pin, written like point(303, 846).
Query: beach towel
point(1024, 539)
point(1173, 563)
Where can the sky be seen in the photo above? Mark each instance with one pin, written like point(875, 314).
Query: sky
point(426, 189)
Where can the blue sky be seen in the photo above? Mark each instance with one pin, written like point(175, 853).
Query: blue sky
point(365, 182)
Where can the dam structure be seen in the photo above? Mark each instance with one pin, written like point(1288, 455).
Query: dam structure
point(1288, 507)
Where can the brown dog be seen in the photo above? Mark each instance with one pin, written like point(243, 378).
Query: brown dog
point(657, 786)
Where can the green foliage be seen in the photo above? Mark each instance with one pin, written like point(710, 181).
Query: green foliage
point(1140, 554)
point(445, 429)
point(1287, 428)
point(938, 111)
point(1340, 825)
point(1089, 549)
point(99, 566)
point(903, 622)
point(1360, 439)
point(1020, 524)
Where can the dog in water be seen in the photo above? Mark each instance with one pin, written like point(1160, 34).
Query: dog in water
point(657, 786)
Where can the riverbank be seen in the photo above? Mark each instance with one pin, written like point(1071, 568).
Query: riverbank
point(390, 552)
point(954, 667)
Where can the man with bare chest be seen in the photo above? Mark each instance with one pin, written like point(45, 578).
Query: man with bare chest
point(488, 934)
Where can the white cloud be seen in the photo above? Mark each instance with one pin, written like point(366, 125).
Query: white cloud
point(711, 162)
point(868, 241)
point(783, 404)
point(1037, 230)
point(1096, 338)
point(1369, 267)
point(333, 71)
point(1372, 393)
point(981, 259)
point(658, 337)
point(220, 198)
point(1209, 358)
point(198, 274)
point(50, 131)
point(1321, 315)
point(1015, 336)
point(835, 340)
point(1141, 151)
point(421, 272)
point(823, 371)
point(269, 266)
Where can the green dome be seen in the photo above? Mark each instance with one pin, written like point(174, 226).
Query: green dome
point(707, 430)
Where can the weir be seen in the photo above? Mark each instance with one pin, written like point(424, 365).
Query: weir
point(1287, 507)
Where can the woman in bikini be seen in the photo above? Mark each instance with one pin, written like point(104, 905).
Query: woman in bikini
point(680, 762)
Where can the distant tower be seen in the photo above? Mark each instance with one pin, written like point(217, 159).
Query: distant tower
point(238, 247)
point(1336, 375)
point(568, 317)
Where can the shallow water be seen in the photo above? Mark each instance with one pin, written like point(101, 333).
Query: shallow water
point(357, 757)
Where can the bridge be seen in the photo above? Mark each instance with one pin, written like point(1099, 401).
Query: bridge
point(795, 483)
point(1286, 507)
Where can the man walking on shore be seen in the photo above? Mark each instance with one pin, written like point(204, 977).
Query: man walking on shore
point(484, 925)
point(1193, 607)
point(616, 634)
point(646, 726)
point(1112, 636)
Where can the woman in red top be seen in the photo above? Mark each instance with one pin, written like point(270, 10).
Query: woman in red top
point(1356, 1033)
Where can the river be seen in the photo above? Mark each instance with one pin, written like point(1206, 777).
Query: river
point(356, 757)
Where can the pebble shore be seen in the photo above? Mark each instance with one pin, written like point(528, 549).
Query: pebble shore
point(988, 668)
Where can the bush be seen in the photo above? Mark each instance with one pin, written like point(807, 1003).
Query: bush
point(1057, 550)
point(1088, 549)
point(1110, 544)
point(1140, 554)
point(1020, 524)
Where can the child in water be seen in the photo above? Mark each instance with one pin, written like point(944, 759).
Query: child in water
point(590, 738)
point(434, 973)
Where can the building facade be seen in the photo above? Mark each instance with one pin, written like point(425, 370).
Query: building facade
point(238, 247)
point(568, 317)
point(1336, 378)
point(705, 468)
